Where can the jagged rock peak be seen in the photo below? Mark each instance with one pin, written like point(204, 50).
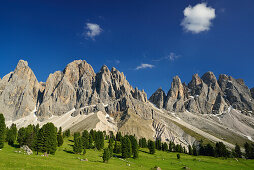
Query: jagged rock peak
point(209, 78)
point(196, 80)
point(104, 69)
point(158, 98)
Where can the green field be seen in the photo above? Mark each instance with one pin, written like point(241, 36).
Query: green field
point(65, 159)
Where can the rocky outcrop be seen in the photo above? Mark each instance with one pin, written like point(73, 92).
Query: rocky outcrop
point(19, 92)
point(206, 95)
point(237, 94)
point(158, 98)
point(175, 97)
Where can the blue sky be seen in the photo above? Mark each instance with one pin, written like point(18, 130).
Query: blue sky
point(213, 35)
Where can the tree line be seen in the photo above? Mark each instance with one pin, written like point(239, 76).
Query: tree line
point(44, 139)
point(48, 138)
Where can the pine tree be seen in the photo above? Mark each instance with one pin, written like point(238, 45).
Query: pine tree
point(11, 135)
point(209, 150)
point(135, 149)
point(90, 141)
point(110, 146)
point(85, 139)
point(21, 136)
point(2, 130)
point(195, 152)
point(165, 146)
point(220, 150)
point(29, 136)
point(67, 133)
point(126, 147)
point(158, 144)
point(151, 147)
point(118, 136)
point(59, 138)
point(106, 155)
point(51, 138)
point(77, 147)
point(76, 135)
point(117, 148)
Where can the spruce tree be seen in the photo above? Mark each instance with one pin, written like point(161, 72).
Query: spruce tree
point(11, 135)
point(209, 150)
point(165, 146)
point(90, 141)
point(158, 144)
point(21, 136)
point(77, 147)
point(2, 130)
point(106, 155)
point(151, 147)
point(85, 139)
point(195, 152)
point(51, 138)
point(118, 136)
point(126, 147)
point(110, 146)
point(135, 149)
point(59, 138)
point(29, 136)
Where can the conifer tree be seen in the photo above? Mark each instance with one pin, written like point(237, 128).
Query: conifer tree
point(106, 155)
point(118, 136)
point(110, 146)
point(77, 147)
point(126, 147)
point(90, 141)
point(158, 144)
point(85, 139)
point(11, 135)
point(2, 130)
point(21, 136)
point(117, 148)
point(50, 138)
point(165, 146)
point(135, 149)
point(59, 138)
point(151, 146)
point(195, 152)
point(190, 150)
point(209, 150)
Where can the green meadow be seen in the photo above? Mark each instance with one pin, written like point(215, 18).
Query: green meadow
point(65, 159)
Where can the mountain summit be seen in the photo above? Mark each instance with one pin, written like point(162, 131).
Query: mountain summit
point(77, 98)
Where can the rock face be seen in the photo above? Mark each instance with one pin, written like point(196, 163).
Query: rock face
point(76, 87)
point(158, 98)
point(206, 95)
point(19, 91)
point(175, 97)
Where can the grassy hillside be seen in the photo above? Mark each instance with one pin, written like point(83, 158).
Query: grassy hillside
point(65, 159)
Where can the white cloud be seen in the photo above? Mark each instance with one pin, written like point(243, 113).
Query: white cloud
point(198, 18)
point(92, 30)
point(173, 56)
point(143, 66)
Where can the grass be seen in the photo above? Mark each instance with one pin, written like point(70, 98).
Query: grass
point(65, 159)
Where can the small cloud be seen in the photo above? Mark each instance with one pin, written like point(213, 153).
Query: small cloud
point(92, 30)
point(143, 66)
point(173, 56)
point(198, 18)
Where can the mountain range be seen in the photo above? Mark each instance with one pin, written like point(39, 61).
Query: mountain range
point(77, 98)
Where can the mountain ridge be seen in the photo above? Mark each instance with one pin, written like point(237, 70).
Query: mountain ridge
point(77, 98)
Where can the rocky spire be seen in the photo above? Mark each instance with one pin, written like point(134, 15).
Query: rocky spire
point(19, 92)
point(175, 96)
point(158, 98)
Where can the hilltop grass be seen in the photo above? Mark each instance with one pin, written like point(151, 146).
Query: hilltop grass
point(65, 159)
